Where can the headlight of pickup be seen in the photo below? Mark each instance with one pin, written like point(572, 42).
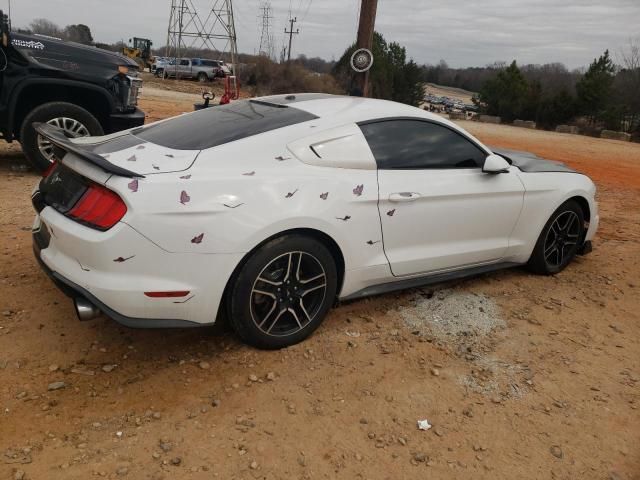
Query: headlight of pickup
point(135, 84)
point(127, 88)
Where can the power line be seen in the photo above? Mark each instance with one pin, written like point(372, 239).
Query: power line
point(306, 12)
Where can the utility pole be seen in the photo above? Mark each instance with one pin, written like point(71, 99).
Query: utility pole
point(365, 38)
point(291, 33)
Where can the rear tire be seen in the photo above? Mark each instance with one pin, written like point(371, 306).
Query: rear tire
point(559, 241)
point(77, 122)
point(202, 77)
point(282, 292)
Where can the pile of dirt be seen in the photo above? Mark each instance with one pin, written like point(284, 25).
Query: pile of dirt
point(452, 316)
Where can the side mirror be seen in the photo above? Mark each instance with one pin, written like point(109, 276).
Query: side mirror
point(5, 28)
point(495, 164)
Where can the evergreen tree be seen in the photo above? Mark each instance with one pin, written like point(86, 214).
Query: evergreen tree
point(390, 78)
point(505, 95)
point(594, 88)
point(78, 33)
point(557, 109)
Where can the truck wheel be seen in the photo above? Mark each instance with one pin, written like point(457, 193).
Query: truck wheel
point(74, 120)
point(202, 77)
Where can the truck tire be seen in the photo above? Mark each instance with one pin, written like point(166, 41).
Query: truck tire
point(202, 77)
point(74, 120)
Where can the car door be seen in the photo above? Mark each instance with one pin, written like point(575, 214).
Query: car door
point(184, 68)
point(438, 210)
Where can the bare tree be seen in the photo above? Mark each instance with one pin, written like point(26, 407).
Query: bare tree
point(630, 55)
point(45, 27)
point(627, 85)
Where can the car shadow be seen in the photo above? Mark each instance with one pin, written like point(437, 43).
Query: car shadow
point(13, 161)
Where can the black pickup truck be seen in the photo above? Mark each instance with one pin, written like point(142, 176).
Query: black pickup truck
point(79, 88)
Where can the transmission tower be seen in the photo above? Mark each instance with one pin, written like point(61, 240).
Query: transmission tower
point(266, 37)
point(210, 28)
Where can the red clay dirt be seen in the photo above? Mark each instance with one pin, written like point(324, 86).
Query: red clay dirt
point(554, 393)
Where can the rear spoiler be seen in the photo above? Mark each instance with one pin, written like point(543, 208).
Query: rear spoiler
point(60, 142)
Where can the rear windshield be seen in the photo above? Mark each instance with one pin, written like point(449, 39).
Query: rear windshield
point(221, 124)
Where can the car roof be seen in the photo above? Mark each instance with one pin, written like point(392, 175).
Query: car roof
point(346, 109)
point(337, 110)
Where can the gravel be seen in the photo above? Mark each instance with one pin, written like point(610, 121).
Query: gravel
point(450, 314)
point(56, 386)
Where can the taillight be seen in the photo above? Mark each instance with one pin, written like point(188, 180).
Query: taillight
point(98, 208)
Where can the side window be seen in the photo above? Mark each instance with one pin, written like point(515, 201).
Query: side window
point(184, 62)
point(415, 144)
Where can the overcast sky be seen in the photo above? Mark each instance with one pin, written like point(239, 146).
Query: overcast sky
point(464, 33)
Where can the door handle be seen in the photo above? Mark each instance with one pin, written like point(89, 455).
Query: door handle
point(404, 197)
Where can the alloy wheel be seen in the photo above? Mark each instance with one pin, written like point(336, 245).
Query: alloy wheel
point(71, 127)
point(562, 238)
point(288, 294)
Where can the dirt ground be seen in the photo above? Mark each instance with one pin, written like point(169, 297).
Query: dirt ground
point(451, 92)
point(550, 389)
point(164, 98)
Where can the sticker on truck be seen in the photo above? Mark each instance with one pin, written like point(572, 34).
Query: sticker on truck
point(27, 44)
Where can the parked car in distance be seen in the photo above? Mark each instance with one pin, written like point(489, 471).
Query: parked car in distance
point(225, 69)
point(158, 65)
point(270, 210)
point(199, 69)
point(81, 89)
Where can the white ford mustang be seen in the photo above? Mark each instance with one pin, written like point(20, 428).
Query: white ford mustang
point(269, 210)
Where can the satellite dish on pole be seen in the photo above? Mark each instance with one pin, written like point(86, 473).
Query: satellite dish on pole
point(362, 60)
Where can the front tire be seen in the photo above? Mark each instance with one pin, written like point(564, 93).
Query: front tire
point(282, 292)
point(75, 121)
point(559, 241)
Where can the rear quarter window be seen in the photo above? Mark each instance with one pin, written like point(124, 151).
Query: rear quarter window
point(222, 124)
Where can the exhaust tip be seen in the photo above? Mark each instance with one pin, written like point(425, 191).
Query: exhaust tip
point(85, 309)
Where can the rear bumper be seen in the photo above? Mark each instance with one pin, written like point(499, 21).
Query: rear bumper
point(114, 269)
point(124, 121)
point(72, 290)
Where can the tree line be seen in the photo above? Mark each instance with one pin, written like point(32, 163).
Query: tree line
point(75, 33)
point(605, 95)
